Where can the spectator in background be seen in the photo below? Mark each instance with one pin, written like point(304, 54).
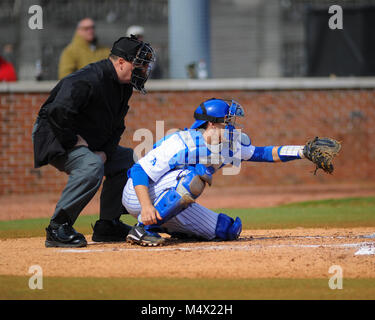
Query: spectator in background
point(7, 71)
point(139, 32)
point(83, 49)
point(8, 53)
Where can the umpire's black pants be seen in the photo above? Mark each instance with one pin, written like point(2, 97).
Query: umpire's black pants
point(86, 171)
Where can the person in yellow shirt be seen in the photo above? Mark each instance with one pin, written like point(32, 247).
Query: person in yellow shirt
point(82, 50)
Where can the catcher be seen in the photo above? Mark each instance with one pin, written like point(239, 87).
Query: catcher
point(164, 184)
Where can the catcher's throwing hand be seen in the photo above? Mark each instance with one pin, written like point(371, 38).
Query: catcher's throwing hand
point(321, 152)
point(150, 215)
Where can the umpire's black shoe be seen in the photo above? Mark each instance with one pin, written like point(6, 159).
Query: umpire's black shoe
point(110, 231)
point(64, 235)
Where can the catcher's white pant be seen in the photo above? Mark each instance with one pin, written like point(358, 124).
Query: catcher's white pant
point(195, 220)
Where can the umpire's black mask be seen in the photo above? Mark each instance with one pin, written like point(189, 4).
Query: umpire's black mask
point(140, 54)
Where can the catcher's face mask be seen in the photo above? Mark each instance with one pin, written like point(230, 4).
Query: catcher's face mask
point(235, 110)
point(143, 64)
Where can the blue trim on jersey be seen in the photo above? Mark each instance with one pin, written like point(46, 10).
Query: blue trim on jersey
point(179, 159)
point(197, 138)
point(139, 176)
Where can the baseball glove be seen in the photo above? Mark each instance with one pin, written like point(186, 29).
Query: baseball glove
point(321, 152)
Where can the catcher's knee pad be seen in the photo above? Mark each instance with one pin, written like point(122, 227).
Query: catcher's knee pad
point(227, 228)
point(192, 184)
point(172, 201)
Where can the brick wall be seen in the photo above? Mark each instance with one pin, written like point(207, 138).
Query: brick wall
point(272, 118)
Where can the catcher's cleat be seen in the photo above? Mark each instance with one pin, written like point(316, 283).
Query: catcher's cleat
point(110, 231)
point(64, 235)
point(139, 235)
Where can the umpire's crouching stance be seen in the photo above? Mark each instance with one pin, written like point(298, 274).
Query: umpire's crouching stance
point(78, 130)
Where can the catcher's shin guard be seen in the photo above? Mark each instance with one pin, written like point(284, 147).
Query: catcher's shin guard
point(227, 228)
point(172, 201)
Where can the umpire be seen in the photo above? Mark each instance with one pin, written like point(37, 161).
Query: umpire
point(78, 130)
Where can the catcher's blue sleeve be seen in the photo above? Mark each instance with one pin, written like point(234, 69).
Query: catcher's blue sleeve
point(262, 154)
point(138, 175)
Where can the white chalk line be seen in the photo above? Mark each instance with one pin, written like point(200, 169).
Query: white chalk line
point(365, 248)
point(365, 251)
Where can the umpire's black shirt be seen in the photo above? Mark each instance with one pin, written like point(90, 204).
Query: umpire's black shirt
point(90, 102)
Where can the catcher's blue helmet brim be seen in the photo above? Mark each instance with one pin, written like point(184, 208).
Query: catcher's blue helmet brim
point(197, 124)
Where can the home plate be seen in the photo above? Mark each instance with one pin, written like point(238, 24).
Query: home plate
point(365, 251)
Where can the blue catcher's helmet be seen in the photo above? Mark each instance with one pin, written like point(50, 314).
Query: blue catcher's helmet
point(217, 111)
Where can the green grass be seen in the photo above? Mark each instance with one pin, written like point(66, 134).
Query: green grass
point(338, 213)
point(16, 287)
point(341, 213)
point(333, 203)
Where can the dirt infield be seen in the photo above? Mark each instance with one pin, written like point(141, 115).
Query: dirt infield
point(294, 253)
point(42, 205)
